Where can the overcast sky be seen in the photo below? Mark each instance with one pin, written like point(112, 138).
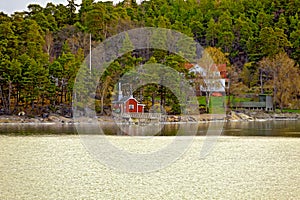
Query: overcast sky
point(11, 6)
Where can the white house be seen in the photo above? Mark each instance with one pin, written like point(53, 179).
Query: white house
point(212, 77)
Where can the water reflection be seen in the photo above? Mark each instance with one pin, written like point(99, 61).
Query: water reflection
point(37, 129)
point(267, 128)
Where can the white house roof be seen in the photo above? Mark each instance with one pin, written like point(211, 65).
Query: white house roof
point(211, 71)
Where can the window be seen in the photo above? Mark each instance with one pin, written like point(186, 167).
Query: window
point(131, 106)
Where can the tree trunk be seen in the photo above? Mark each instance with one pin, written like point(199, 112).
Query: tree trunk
point(281, 101)
point(274, 90)
point(161, 96)
point(102, 104)
point(61, 94)
point(261, 83)
point(9, 95)
point(275, 97)
point(228, 94)
point(105, 86)
point(207, 101)
point(3, 99)
point(32, 104)
point(152, 100)
point(16, 103)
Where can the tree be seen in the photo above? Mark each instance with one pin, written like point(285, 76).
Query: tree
point(244, 28)
point(33, 43)
point(63, 72)
point(159, 42)
point(72, 11)
point(225, 34)
point(209, 78)
point(61, 15)
point(127, 45)
point(263, 19)
point(211, 32)
point(284, 76)
point(197, 28)
point(46, 22)
point(217, 55)
point(282, 24)
point(295, 39)
point(249, 74)
point(105, 88)
point(273, 41)
point(96, 21)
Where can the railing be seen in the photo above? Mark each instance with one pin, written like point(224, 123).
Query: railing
point(249, 104)
point(139, 115)
point(145, 115)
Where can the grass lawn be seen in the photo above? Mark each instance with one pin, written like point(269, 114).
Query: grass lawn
point(288, 111)
point(216, 105)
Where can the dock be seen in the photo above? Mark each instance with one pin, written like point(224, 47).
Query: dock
point(138, 118)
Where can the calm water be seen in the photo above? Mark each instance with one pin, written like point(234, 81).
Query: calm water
point(267, 128)
point(59, 167)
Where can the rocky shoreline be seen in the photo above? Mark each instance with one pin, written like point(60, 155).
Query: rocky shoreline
point(230, 117)
point(261, 116)
point(34, 120)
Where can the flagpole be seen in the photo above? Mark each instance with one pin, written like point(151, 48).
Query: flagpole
point(90, 53)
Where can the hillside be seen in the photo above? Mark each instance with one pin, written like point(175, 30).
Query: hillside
point(42, 50)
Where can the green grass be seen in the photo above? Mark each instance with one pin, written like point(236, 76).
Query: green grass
point(201, 100)
point(239, 99)
point(288, 111)
point(216, 104)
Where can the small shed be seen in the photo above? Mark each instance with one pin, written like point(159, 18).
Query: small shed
point(269, 101)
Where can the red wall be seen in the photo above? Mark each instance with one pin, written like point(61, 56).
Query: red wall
point(140, 108)
point(133, 102)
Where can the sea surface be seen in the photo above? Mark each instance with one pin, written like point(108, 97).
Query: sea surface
point(281, 128)
point(258, 160)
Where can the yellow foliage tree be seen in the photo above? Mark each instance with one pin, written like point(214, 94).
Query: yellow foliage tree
point(217, 55)
point(284, 76)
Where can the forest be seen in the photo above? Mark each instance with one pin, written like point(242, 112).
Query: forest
point(42, 49)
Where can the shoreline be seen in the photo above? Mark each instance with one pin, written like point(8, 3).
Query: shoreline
point(172, 119)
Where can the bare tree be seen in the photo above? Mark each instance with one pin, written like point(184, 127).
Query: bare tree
point(209, 77)
point(283, 74)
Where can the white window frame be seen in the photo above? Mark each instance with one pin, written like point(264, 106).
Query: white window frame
point(131, 106)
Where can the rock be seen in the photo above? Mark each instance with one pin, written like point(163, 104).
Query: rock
point(245, 117)
point(52, 118)
point(191, 119)
point(234, 116)
point(2, 120)
point(22, 113)
point(58, 119)
point(173, 119)
point(45, 115)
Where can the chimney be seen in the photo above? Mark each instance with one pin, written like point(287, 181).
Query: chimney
point(120, 95)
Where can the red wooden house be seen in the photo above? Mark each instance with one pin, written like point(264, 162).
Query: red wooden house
point(128, 105)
